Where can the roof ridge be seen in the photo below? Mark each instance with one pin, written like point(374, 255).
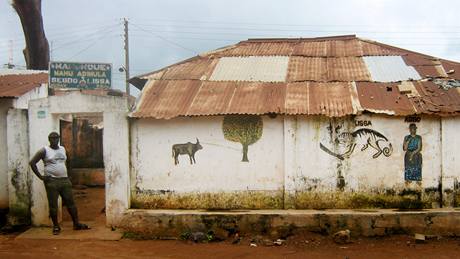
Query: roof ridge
point(322, 38)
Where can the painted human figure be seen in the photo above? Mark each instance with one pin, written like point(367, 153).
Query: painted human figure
point(413, 158)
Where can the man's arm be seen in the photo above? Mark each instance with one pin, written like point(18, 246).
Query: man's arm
point(35, 159)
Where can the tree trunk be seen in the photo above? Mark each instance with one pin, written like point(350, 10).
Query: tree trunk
point(36, 53)
point(245, 153)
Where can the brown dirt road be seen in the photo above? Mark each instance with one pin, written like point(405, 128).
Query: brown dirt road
point(317, 247)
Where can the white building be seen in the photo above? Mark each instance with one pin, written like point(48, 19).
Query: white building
point(17, 88)
point(297, 123)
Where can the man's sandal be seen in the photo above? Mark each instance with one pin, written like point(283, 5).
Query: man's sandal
point(81, 226)
point(56, 230)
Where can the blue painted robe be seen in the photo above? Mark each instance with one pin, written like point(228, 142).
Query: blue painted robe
point(413, 168)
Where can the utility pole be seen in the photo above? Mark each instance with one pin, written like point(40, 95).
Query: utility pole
point(10, 64)
point(125, 23)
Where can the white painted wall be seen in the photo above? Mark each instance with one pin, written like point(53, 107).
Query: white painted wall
point(116, 161)
point(44, 117)
point(288, 156)
point(5, 104)
point(450, 152)
point(18, 167)
point(218, 165)
point(23, 101)
point(361, 171)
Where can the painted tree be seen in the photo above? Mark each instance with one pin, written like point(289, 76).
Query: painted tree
point(245, 129)
point(36, 53)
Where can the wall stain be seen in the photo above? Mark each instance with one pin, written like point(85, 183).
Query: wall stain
point(207, 200)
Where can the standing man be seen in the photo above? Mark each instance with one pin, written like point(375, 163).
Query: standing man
point(56, 181)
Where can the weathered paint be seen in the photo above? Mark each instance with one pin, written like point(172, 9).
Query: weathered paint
point(18, 167)
point(44, 115)
point(116, 161)
point(305, 161)
point(5, 104)
point(22, 102)
point(450, 161)
point(218, 168)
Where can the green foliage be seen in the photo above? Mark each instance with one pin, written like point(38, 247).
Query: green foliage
point(245, 129)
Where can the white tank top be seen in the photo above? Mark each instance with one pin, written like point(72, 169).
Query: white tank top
point(55, 162)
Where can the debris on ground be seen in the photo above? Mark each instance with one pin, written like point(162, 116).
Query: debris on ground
point(236, 239)
point(419, 238)
point(253, 244)
point(342, 237)
point(198, 237)
point(279, 242)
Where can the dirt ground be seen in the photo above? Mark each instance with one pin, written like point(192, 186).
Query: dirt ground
point(90, 202)
point(317, 247)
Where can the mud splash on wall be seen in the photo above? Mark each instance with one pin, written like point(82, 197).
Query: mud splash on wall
point(404, 199)
point(208, 200)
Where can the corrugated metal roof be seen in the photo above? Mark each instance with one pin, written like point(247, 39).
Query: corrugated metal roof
point(329, 48)
point(15, 85)
point(260, 49)
point(253, 69)
point(332, 76)
point(390, 69)
point(327, 69)
point(165, 99)
point(452, 69)
point(330, 99)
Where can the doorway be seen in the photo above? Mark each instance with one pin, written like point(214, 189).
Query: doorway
point(82, 137)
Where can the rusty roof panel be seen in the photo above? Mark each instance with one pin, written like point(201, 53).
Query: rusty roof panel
point(412, 59)
point(330, 99)
point(374, 49)
point(347, 69)
point(307, 69)
point(437, 100)
point(383, 98)
point(431, 71)
point(311, 49)
point(327, 69)
point(15, 85)
point(255, 98)
point(297, 100)
point(260, 49)
point(452, 69)
point(165, 99)
point(338, 48)
point(251, 68)
point(212, 98)
point(199, 69)
point(344, 48)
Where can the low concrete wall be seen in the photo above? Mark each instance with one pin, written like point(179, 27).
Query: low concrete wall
point(282, 223)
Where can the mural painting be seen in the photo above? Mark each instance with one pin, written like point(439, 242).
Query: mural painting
point(363, 138)
point(186, 149)
point(244, 129)
point(413, 157)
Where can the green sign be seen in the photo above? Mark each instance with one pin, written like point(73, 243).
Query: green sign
point(80, 75)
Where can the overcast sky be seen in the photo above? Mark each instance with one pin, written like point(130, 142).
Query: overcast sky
point(165, 32)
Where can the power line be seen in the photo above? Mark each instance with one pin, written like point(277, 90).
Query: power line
point(87, 47)
point(289, 25)
point(298, 30)
point(165, 39)
point(82, 40)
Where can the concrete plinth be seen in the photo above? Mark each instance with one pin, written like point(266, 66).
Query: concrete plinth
point(173, 223)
